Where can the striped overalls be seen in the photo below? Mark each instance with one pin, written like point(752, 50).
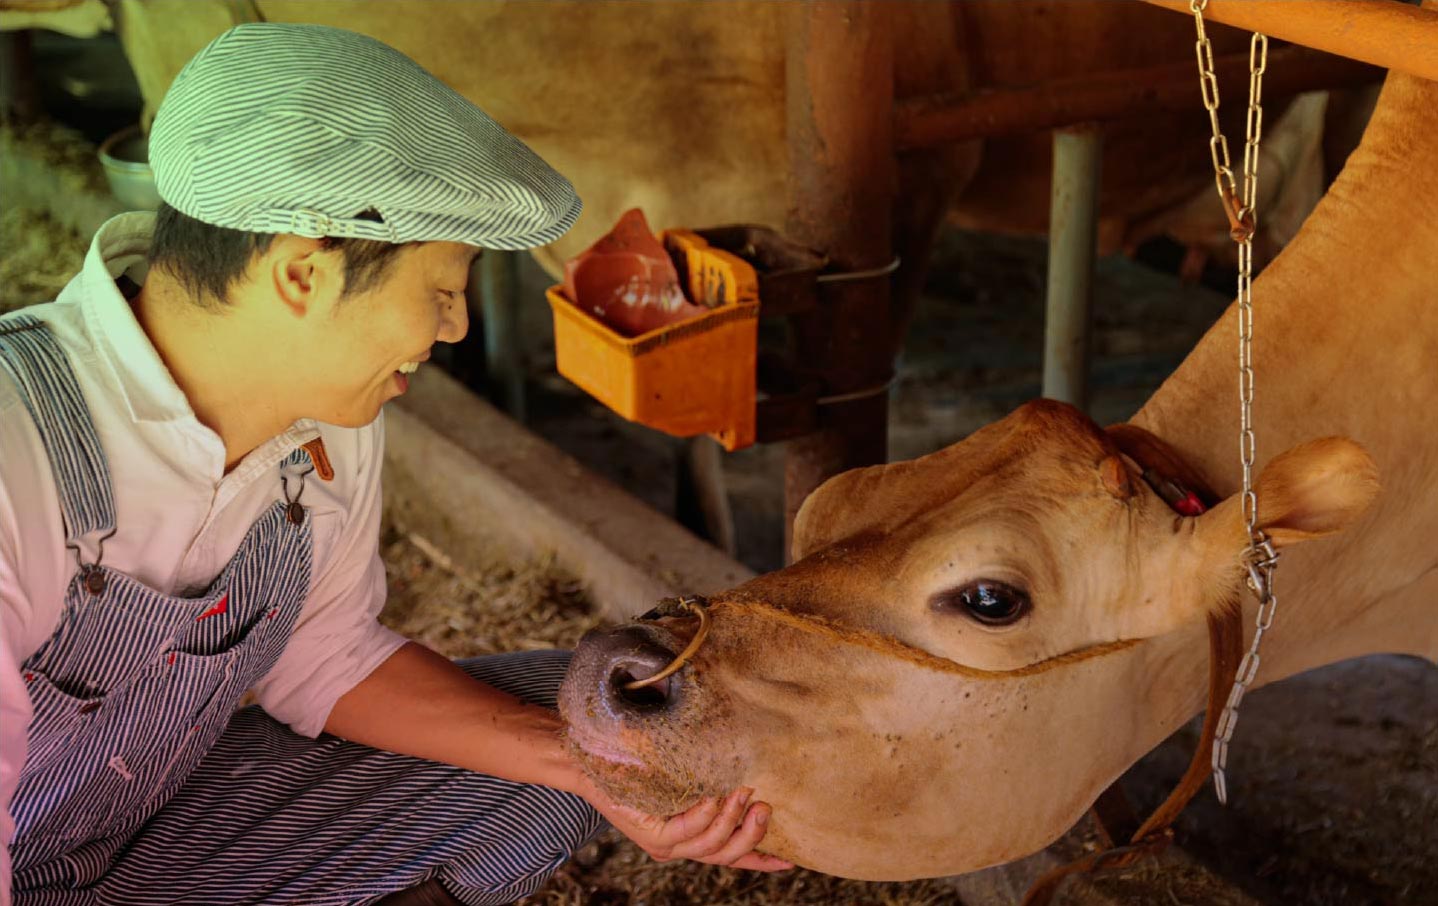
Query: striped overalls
point(142, 784)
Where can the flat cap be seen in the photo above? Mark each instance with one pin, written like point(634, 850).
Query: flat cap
point(317, 131)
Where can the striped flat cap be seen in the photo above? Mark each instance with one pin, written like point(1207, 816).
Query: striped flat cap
point(317, 131)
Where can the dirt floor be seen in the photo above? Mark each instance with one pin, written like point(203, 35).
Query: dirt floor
point(1334, 774)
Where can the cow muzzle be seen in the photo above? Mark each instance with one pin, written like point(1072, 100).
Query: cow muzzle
point(645, 721)
point(608, 716)
point(627, 667)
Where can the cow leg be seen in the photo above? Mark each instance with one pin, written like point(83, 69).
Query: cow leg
point(1114, 815)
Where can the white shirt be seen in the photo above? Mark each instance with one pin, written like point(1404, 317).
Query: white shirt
point(179, 517)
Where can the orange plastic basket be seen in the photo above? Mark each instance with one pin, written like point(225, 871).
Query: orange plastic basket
point(694, 377)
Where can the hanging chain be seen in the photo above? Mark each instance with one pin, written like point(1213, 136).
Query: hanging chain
point(1261, 559)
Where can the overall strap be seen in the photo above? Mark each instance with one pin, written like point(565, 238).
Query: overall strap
point(37, 364)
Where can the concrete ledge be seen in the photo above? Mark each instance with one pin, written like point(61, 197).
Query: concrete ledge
point(476, 482)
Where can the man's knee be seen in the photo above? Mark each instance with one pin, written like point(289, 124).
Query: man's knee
point(541, 835)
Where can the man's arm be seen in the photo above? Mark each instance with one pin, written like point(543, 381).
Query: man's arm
point(14, 721)
point(36, 545)
point(419, 703)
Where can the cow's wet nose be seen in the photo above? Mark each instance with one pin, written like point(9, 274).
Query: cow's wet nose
point(631, 654)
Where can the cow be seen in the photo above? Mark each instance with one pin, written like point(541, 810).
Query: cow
point(972, 645)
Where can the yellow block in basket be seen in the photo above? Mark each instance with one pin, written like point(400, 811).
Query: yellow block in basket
point(694, 377)
point(711, 275)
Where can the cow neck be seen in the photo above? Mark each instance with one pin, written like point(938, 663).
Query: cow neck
point(1184, 490)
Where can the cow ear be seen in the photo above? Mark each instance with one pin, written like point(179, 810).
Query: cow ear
point(1311, 491)
point(839, 508)
point(1315, 489)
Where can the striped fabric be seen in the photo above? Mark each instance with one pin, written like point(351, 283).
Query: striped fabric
point(281, 128)
point(273, 817)
point(139, 787)
point(36, 365)
point(133, 687)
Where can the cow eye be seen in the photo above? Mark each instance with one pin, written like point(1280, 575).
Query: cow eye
point(991, 603)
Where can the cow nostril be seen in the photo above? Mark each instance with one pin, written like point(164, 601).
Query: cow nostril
point(645, 698)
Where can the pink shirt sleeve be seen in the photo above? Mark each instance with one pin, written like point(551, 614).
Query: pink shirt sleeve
point(338, 640)
point(24, 621)
point(14, 697)
point(14, 721)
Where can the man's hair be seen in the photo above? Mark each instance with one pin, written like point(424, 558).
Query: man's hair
point(208, 259)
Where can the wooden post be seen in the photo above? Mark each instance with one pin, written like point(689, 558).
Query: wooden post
point(840, 96)
point(503, 341)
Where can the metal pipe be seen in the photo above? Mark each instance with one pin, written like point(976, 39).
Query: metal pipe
point(925, 122)
point(503, 347)
point(1073, 240)
point(1382, 32)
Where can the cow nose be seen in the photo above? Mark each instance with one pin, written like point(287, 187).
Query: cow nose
point(633, 653)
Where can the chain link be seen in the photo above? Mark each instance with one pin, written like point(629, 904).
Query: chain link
point(1260, 558)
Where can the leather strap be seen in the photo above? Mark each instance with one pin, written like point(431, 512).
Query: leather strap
point(320, 459)
point(1225, 650)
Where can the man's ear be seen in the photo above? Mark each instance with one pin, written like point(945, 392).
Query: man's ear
point(302, 272)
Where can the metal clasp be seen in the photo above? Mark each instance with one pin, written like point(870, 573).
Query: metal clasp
point(294, 512)
point(1261, 561)
point(90, 573)
point(1241, 220)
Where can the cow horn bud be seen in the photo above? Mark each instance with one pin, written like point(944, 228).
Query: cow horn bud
point(1115, 477)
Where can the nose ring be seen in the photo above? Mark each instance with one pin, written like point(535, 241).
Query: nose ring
point(684, 655)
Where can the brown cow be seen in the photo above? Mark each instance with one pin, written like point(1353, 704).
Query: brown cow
point(974, 644)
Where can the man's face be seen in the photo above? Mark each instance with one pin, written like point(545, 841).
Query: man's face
point(366, 344)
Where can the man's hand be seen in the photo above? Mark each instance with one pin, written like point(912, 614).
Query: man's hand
point(720, 832)
point(418, 703)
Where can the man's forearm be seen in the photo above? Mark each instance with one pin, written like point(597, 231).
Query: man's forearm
point(419, 703)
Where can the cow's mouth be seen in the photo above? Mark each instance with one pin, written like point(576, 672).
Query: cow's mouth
point(596, 745)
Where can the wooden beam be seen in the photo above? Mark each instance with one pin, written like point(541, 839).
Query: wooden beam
point(1385, 33)
point(926, 122)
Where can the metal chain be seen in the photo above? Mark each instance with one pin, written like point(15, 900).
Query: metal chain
point(1261, 559)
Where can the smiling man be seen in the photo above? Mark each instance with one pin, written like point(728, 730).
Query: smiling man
point(190, 508)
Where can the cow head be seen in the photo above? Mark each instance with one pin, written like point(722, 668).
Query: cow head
point(957, 663)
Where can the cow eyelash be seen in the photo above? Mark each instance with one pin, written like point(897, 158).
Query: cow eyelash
point(985, 601)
